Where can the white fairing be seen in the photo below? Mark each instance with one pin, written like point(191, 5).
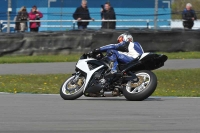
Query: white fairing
point(143, 55)
point(83, 66)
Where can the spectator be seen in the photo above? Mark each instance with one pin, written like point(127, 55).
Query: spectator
point(188, 16)
point(82, 13)
point(108, 13)
point(102, 9)
point(35, 15)
point(21, 20)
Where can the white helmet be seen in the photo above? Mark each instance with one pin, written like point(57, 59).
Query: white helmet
point(125, 37)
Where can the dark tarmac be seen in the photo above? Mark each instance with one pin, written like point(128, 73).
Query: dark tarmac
point(31, 113)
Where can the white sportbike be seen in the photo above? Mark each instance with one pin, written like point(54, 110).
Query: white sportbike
point(135, 81)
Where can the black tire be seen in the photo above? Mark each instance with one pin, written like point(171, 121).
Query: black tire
point(146, 92)
point(74, 96)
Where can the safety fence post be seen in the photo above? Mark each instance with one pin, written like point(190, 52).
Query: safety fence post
point(74, 24)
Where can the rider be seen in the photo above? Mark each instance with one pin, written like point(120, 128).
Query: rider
point(125, 51)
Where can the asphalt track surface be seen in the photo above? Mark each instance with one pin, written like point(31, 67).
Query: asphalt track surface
point(31, 113)
point(26, 113)
point(68, 67)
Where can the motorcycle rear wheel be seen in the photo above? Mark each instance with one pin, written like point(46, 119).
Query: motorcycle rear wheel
point(143, 88)
point(72, 91)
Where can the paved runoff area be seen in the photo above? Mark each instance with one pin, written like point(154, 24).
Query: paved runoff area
point(26, 113)
point(69, 67)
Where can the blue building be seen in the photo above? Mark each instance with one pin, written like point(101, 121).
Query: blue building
point(63, 10)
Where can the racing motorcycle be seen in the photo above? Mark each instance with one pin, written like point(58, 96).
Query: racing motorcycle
point(135, 80)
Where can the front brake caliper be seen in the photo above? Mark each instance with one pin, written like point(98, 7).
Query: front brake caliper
point(80, 82)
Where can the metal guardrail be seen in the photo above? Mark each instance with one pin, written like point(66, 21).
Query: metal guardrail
point(118, 20)
point(172, 23)
point(3, 26)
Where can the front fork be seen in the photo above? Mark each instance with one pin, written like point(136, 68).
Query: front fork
point(76, 77)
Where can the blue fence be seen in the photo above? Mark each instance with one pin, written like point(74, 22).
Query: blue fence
point(63, 10)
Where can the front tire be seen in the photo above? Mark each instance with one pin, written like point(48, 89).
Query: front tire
point(143, 89)
point(72, 91)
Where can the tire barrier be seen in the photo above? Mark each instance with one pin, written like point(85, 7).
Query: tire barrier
point(83, 41)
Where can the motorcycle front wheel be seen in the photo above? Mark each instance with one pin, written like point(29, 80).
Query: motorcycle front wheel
point(72, 90)
point(143, 88)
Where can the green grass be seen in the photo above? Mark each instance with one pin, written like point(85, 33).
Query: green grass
point(182, 55)
point(39, 58)
point(37, 84)
point(181, 83)
point(75, 57)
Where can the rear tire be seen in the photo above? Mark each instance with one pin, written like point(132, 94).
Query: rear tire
point(71, 93)
point(144, 90)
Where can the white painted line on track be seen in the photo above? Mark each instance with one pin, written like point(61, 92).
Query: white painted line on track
point(24, 93)
point(5, 93)
point(94, 97)
point(189, 97)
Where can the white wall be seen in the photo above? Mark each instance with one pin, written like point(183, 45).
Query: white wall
point(179, 24)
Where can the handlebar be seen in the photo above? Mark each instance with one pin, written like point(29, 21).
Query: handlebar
point(91, 54)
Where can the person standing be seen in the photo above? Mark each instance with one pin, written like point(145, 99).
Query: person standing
point(35, 15)
point(188, 16)
point(108, 13)
point(21, 20)
point(102, 10)
point(82, 13)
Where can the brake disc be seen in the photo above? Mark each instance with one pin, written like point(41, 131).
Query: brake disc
point(141, 80)
point(71, 86)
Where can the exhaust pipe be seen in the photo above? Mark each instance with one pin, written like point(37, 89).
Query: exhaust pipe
point(108, 94)
point(112, 93)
